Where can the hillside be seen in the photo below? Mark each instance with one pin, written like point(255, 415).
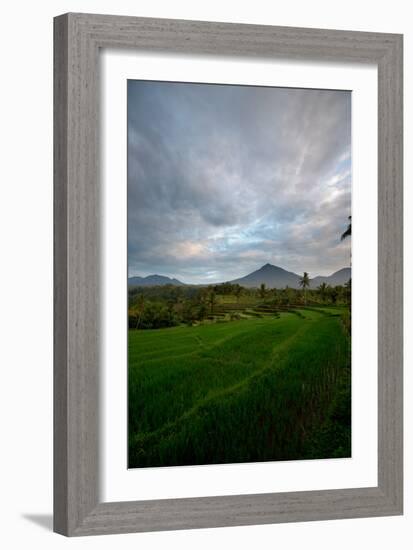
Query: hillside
point(338, 278)
point(153, 280)
point(272, 276)
point(276, 277)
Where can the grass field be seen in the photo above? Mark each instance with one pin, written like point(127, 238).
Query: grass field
point(257, 389)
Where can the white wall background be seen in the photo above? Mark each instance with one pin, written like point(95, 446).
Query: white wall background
point(26, 299)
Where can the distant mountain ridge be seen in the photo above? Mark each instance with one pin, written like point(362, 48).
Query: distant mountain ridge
point(153, 280)
point(270, 275)
point(340, 277)
point(277, 277)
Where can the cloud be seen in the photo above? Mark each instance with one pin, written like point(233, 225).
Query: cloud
point(222, 179)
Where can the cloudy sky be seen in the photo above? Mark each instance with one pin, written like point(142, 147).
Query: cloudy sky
point(223, 179)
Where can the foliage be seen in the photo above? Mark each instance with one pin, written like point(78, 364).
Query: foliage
point(347, 232)
point(168, 305)
point(305, 283)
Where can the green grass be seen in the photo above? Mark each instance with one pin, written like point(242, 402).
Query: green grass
point(242, 391)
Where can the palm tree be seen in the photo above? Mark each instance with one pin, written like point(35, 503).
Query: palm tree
point(304, 283)
point(347, 232)
point(262, 290)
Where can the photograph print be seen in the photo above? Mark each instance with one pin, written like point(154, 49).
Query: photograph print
point(239, 274)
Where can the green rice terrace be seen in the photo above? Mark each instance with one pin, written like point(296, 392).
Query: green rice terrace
point(247, 376)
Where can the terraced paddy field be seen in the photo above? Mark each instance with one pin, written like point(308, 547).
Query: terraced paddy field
point(277, 387)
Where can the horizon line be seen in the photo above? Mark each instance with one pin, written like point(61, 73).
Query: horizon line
point(236, 278)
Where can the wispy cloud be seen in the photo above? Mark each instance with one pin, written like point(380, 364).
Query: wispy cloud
point(222, 179)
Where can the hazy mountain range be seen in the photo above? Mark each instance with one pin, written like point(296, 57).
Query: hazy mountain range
point(271, 275)
point(338, 278)
point(153, 280)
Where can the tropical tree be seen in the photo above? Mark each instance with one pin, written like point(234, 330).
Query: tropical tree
point(140, 306)
point(212, 300)
point(305, 283)
point(333, 293)
point(287, 295)
point(347, 232)
point(276, 297)
point(263, 290)
point(322, 290)
point(347, 287)
point(238, 292)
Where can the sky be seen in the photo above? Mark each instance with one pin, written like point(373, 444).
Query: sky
point(224, 179)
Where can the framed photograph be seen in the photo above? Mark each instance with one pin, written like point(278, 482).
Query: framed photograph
point(228, 274)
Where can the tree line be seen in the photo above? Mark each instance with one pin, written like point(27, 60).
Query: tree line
point(168, 305)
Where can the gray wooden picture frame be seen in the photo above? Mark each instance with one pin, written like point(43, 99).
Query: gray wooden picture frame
point(78, 39)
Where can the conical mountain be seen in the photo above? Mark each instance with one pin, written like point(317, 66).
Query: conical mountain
point(272, 276)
